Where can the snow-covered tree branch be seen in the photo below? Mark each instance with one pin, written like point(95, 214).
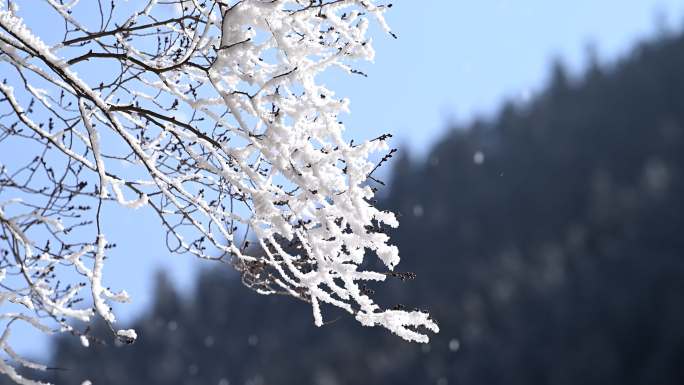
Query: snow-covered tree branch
point(212, 115)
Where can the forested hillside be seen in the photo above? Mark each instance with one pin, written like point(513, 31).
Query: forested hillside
point(556, 258)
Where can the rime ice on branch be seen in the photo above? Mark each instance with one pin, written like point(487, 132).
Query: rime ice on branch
point(215, 109)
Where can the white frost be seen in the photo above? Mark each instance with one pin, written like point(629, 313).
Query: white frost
point(226, 131)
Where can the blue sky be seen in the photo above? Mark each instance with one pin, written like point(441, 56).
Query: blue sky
point(454, 60)
point(458, 59)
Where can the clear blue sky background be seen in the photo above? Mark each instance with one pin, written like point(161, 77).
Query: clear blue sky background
point(454, 60)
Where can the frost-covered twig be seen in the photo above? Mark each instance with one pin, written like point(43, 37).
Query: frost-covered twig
point(227, 133)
